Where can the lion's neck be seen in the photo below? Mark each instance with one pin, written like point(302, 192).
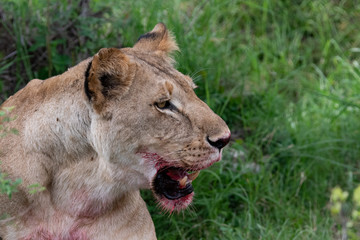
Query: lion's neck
point(84, 190)
point(66, 139)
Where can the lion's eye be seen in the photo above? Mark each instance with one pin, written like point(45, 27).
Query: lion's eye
point(163, 105)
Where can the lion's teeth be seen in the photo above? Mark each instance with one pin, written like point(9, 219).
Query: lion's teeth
point(183, 181)
point(193, 175)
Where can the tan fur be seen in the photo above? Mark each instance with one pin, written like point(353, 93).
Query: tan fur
point(162, 43)
point(83, 139)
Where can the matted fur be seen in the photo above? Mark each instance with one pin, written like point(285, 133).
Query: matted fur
point(94, 135)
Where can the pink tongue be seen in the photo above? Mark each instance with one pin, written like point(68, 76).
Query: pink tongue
point(176, 174)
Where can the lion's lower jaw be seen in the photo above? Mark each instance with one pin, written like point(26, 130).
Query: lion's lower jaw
point(176, 205)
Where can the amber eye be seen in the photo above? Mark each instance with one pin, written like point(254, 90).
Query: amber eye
point(163, 105)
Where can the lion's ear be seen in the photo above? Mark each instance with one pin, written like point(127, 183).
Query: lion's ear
point(108, 75)
point(159, 41)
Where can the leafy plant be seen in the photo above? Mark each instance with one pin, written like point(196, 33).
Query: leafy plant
point(35, 188)
point(4, 115)
point(346, 213)
point(7, 186)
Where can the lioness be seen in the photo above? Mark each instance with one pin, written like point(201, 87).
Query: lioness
point(93, 136)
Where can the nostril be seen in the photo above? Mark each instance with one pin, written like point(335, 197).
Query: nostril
point(220, 143)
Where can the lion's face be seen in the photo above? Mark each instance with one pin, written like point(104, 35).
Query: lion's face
point(149, 127)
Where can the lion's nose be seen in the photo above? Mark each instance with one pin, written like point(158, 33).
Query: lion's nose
point(220, 142)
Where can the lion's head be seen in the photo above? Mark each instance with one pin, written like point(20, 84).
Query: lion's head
point(149, 127)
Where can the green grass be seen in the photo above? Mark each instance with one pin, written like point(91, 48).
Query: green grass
point(283, 74)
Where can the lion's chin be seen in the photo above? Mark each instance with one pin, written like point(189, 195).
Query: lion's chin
point(176, 205)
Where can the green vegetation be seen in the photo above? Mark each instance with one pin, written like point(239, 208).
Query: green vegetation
point(7, 186)
point(341, 209)
point(284, 75)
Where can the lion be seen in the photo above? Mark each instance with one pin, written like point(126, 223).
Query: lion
point(120, 121)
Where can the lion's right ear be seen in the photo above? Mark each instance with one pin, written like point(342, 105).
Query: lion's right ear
point(159, 41)
point(109, 75)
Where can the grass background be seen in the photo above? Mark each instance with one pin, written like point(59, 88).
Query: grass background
point(284, 75)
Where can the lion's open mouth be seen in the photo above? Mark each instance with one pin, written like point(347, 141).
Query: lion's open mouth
point(173, 187)
point(174, 183)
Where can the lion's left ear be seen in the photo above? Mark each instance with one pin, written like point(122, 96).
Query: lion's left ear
point(109, 75)
point(159, 40)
